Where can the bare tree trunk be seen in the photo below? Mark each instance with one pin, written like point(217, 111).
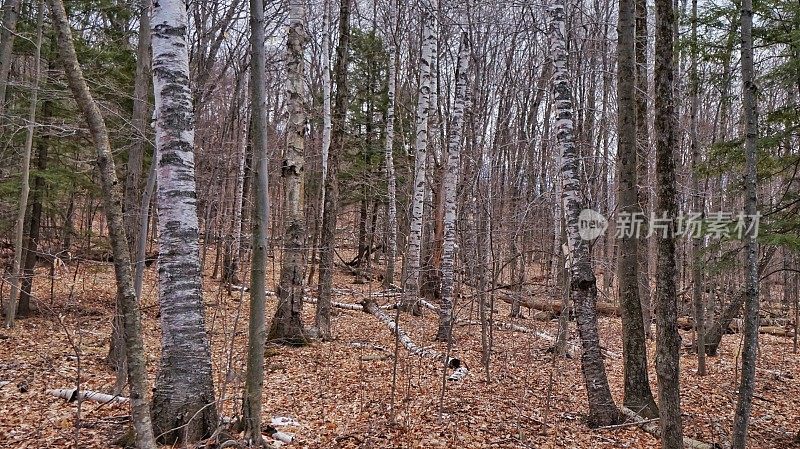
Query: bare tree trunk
point(391, 181)
point(328, 240)
point(698, 205)
point(10, 13)
point(751, 306)
point(411, 285)
point(287, 325)
point(256, 335)
point(184, 408)
point(667, 338)
point(116, 353)
point(451, 177)
point(638, 396)
point(583, 285)
point(19, 225)
point(112, 203)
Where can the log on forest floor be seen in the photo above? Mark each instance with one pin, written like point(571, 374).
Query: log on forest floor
point(553, 306)
point(687, 324)
point(72, 394)
point(453, 363)
point(651, 426)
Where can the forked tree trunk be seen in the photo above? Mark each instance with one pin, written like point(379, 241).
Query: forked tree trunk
point(391, 207)
point(451, 177)
point(183, 400)
point(254, 381)
point(751, 306)
point(667, 338)
point(413, 254)
point(331, 206)
point(287, 325)
point(637, 393)
point(583, 285)
point(112, 203)
point(19, 225)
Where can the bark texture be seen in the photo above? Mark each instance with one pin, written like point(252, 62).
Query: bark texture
point(184, 410)
point(287, 325)
point(668, 340)
point(112, 203)
point(411, 285)
point(637, 393)
point(451, 176)
point(391, 181)
point(583, 285)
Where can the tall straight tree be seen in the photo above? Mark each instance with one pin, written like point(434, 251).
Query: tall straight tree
point(7, 34)
point(183, 401)
point(637, 396)
point(667, 338)
point(451, 176)
point(391, 181)
point(327, 244)
point(751, 305)
point(112, 204)
point(583, 284)
point(254, 382)
point(413, 254)
point(287, 325)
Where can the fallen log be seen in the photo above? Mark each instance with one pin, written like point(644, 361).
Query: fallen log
point(72, 394)
point(553, 306)
point(651, 427)
point(687, 324)
point(452, 362)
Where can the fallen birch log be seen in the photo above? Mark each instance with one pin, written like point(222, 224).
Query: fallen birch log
point(72, 394)
point(3, 383)
point(339, 305)
point(572, 348)
point(452, 362)
point(603, 309)
point(653, 428)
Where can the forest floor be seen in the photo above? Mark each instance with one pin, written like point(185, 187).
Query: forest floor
point(340, 395)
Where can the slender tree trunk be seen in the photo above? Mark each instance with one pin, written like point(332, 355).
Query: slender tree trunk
point(751, 306)
point(112, 203)
point(19, 225)
point(254, 381)
point(287, 325)
point(583, 285)
point(328, 240)
point(638, 396)
point(116, 353)
point(391, 181)
point(184, 408)
point(7, 34)
point(413, 255)
point(668, 340)
point(451, 177)
point(698, 205)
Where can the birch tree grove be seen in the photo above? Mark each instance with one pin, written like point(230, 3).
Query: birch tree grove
point(378, 223)
point(451, 176)
point(183, 400)
point(583, 285)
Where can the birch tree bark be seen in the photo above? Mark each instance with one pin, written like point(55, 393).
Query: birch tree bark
point(254, 382)
point(751, 305)
point(391, 181)
point(10, 13)
point(287, 325)
point(413, 254)
point(667, 338)
point(19, 225)
point(328, 243)
point(637, 396)
point(112, 203)
point(583, 285)
point(183, 400)
point(451, 177)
